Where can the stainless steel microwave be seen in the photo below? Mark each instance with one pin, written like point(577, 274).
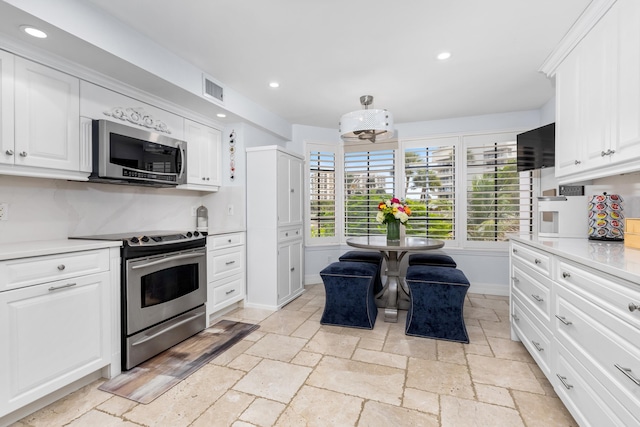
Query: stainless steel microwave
point(126, 155)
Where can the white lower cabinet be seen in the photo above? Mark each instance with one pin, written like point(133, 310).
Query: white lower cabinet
point(55, 324)
point(225, 271)
point(589, 343)
point(289, 270)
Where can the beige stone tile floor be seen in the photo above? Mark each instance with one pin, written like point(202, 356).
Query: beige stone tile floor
point(295, 372)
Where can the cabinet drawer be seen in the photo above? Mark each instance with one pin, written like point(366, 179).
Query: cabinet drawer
point(225, 262)
point(593, 337)
point(225, 240)
point(534, 291)
point(539, 261)
point(589, 404)
point(228, 289)
point(611, 294)
point(289, 234)
point(535, 336)
point(21, 272)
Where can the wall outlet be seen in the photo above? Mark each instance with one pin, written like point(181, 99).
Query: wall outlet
point(4, 211)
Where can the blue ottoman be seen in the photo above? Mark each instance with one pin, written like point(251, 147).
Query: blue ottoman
point(369, 257)
point(437, 301)
point(349, 294)
point(442, 260)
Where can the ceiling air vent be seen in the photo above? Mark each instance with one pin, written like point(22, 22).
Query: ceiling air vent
point(213, 90)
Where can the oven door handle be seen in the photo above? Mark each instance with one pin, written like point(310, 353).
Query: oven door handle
point(150, 337)
point(165, 260)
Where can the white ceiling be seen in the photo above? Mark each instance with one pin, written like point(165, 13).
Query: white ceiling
point(327, 53)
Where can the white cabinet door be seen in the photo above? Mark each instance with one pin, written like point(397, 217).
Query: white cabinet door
point(569, 153)
point(52, 335)
point(295, 269)
point(597, 62)
point(289, 190)
point(6, 108)
point(203, 157)
point(47, 117)
point(290, 278)
point(627, 109)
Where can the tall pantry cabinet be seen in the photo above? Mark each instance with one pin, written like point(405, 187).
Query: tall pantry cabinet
point(275, 259)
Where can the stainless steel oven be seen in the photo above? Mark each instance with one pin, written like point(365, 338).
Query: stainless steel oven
point(163, 291)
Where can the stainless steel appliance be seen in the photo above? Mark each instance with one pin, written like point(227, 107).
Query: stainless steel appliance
point(164, 291)
point(127, 155)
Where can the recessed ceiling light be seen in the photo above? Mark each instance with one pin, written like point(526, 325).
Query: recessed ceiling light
point(274, 85)
point(444, 55)
point(34, 32)
point(221, 115)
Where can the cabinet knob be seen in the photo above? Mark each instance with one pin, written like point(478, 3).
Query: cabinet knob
point(23, 154)
point(566, 275)
point(537, 261)
point(292, 190)
point(577, 162)
point(207, 178)
point(61, 267)
point(633, 306)
point(293, 268)
point(229, 240)
point(515, 251)
point(286, 234)
point(9, 152)
point(203, 178)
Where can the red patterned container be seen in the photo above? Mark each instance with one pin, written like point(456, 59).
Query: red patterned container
point(606, 220)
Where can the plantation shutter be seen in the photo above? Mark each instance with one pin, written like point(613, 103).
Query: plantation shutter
point(430, 188)
point(499, 198)
point(368, 179)
point(322, 193)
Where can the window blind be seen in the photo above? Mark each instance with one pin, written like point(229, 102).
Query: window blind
point(322, 192)
point(368, 179)
point(499, 199)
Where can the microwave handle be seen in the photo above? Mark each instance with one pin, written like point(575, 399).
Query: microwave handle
point(184, 160)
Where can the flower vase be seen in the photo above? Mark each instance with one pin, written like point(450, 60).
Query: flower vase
point(393, 231)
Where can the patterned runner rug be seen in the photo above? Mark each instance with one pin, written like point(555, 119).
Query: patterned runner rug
point(152, 378)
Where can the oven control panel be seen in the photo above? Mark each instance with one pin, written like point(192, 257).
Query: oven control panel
point(159, 239)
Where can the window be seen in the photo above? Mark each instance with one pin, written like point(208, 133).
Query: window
point(499, 198)
point(430, 187)
point(464, 189)
point(369, 178)
point(322, 191)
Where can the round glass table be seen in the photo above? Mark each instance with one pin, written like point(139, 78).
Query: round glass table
point(395, 294)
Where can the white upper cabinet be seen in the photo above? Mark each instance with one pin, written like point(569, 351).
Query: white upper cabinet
point(46, 122)
point(289, 196)
point(598, 98)
point(203, 157)
point(6, 108)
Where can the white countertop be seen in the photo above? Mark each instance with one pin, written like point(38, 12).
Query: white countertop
point(50, 247)
point(610, 257)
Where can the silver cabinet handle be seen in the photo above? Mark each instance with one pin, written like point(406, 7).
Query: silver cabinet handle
point(633, 306)
point(229, 262)
point(537, 297)
point(537, 345)
point(9, 152)
point(602, 154)
point(55, 288)
point(577, 162)
point(61, 267)
point(564, 382)
point(628, 374)
point(230, 292)
point(23, 154)
point(566, 275)
point(564, 320)
point(515, 317)
point(515, 251)
point(537, 261)
point(515, 279)
point(611, 151)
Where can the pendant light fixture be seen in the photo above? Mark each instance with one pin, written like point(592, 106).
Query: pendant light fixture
point(368, 124)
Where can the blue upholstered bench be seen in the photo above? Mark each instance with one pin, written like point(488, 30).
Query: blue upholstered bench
point(349, 294)
point(442, 260)
point(437, 301)
point(369, 257)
